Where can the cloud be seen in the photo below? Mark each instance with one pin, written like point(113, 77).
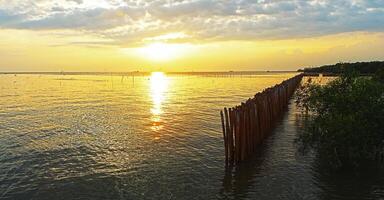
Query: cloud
point(77, 1)
point(132, 21)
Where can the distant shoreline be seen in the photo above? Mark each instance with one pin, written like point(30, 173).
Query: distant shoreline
point(137, 73)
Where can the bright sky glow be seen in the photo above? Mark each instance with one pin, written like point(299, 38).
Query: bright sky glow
point(187, 35)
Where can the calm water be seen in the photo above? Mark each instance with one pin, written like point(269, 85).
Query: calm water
point(150, 137)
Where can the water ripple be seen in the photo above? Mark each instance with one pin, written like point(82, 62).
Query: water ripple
point(104, 137)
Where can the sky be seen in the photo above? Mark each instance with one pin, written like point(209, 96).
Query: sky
point(187, 35)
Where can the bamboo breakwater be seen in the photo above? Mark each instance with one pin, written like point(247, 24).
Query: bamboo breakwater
point(245, 126)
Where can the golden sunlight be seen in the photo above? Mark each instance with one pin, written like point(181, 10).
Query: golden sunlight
point(159, 86)
point(106, 99)
point(162, 51)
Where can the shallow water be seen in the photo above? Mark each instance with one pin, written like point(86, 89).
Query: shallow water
point(150, 137)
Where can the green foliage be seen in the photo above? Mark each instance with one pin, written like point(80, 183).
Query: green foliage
point(346, 119)
point(361, 67)
point(379, 75)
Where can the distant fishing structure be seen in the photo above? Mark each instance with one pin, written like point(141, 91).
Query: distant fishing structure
point(246, 126)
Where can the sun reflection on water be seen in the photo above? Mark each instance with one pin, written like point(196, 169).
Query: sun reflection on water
point(159, 86)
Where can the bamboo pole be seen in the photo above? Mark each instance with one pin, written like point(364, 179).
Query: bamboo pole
point(247, 125)
point(237, 136)
point(231, 136)
point(228, 132)
point(242, 134)
point(224, 136)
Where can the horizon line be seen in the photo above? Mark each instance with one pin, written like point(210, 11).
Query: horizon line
point(138, 72)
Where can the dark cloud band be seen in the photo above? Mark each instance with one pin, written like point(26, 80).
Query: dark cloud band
point(201, 19)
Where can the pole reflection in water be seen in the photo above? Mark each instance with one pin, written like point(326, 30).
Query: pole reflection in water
point(159, 86)
point(85, 139)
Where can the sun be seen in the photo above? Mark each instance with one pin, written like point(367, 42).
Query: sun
point(161, 51)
